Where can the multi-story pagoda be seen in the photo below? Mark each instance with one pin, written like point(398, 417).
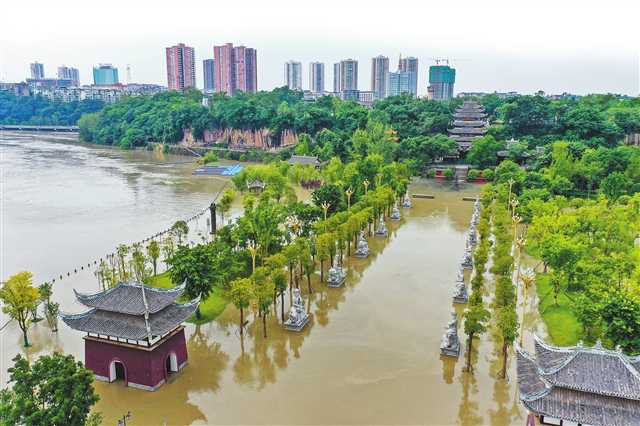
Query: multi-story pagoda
point(580, 385)
point(134, 333)
point(469, 123)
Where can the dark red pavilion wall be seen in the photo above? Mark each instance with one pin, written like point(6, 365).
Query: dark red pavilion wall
point(142, 367)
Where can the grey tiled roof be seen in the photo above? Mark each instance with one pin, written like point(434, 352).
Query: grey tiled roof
point(468, 130)
point(130, 326)
point(127, 298)
point(594, 369)
point(592, 386)
point(586, 408)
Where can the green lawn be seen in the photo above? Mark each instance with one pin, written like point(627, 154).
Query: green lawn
point(562, 324)
point(210, 308)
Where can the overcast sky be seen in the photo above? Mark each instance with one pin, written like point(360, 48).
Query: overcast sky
point(523, 45)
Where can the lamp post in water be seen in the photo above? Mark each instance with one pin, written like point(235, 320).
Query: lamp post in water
point(123, 420)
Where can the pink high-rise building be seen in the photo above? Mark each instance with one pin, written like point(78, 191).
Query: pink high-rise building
point(235, 68)
point(181, 67)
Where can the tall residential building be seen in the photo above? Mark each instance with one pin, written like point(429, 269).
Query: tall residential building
point(69, 73)
point(410, 65)
point(441, 81)
point(235, 68)
point(336, 77)
point(379, 75)
point(293, 75)
point(181, 67)
point(316, 77)
point(209, 73)
point(105, 74)
point(37, 71)
point(224, 64)
point(251, 70)
point(347, 75)
point(399, 83)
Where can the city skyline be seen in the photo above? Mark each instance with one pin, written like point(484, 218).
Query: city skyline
point(489, 51)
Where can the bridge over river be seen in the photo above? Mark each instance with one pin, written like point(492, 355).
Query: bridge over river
point(32, 128)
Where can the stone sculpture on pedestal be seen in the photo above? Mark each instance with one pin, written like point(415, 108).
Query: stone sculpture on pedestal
point(395, 213)
point(406, 202)
point(450, 344)
point(298, 316)
point(382, 228)
point(467, 259)
point(337, 276)
point(363, 247)
point(461, 294)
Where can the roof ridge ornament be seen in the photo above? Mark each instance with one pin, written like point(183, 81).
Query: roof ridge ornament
point(146, 312)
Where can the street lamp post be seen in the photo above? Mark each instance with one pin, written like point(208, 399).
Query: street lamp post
point(349, 193)
point(325, 206)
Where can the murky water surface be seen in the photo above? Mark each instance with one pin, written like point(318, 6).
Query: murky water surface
point(369, 355)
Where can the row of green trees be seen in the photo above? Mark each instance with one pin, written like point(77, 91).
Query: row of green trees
point(477, 316)
point(278, 236)
point(41, 111)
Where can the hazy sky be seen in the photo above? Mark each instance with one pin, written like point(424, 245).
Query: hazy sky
point(523, 45)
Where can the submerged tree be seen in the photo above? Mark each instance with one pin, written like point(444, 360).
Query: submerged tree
point(180, 229)
point(241, 292)
point(153, 250)
point(20, 298)
point(475, 323)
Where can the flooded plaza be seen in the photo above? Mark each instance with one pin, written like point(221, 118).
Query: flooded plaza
point(370, 354)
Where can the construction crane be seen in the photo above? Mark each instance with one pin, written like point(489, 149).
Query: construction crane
point(447, 61)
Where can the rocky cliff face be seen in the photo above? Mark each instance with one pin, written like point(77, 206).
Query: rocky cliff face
point(237, 138)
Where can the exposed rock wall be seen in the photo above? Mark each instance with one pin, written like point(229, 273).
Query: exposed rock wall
point(238, 138)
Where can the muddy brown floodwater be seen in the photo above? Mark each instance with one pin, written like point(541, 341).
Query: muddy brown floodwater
point(369, 355)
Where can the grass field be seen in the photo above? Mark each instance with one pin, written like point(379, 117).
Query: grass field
point(210, 308)
point(562, 324)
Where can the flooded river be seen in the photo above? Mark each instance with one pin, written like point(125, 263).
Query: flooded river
point(369, 355)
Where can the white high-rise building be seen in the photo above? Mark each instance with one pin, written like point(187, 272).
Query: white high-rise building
point(316, 77)
point(379, 76)
point(293, 75)
point(69, 73)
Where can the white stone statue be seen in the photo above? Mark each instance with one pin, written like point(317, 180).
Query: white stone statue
point(406, 202)
point(382, 228)
point(395, 213)
point(298, 316)
point(363, 247)
point(337, 276)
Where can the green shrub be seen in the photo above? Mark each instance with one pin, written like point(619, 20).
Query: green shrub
point(448, 173)
point(210, 157)
point(488, 174)
point(430, 173)
point(243, 157)
point(473, 174)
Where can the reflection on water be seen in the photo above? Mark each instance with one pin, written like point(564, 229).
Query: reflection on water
point(368, 356)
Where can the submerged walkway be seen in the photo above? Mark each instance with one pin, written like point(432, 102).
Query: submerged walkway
point(369, 355)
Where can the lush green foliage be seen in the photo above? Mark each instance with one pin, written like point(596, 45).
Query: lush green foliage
point(41, 111)
point(54, 390)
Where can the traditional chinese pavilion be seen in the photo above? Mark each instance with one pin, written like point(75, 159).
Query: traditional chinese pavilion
point(134, 333)
point(469, 123)
point(580, 385)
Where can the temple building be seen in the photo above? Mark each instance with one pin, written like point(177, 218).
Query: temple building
point(580, 385)
point(134, 333)
point(469, 123)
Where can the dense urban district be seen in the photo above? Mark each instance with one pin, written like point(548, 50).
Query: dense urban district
point(559, 183)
